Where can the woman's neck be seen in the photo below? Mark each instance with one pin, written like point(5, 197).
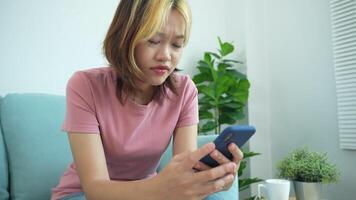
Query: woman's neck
point(144, 94)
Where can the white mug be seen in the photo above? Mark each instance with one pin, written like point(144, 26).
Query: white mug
point(277, 189)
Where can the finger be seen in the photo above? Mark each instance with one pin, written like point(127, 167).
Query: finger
point(215, 173)
point(228, 181)
point(195, 156)
point(217, 185)
point(230, 184)
point(201, 166)
point(236, 153)
point(219, 157)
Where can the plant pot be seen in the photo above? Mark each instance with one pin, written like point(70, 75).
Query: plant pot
point(307, 191)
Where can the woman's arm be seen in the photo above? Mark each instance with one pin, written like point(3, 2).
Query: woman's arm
point(89, 158)
point(176, 181)
point(185, 139)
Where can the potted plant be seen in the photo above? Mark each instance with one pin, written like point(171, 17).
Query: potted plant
point(308, 170)
point(223, 93)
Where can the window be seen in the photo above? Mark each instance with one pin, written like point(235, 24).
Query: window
point(343, 22)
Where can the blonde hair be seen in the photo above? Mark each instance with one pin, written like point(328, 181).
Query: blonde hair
point(134, 21)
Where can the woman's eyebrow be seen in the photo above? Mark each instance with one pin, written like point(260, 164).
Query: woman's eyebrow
point(161, 34)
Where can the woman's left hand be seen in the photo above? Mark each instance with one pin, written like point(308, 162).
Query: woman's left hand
point(221, 159)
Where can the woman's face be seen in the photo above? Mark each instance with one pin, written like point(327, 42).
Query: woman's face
point(158, 56)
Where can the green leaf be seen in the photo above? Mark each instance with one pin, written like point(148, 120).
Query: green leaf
point(207, 58)
point(205, 115)
point(233, 105)
point(204, 107)
point(204, 70)
point(236, 74)
point(240, 91)
point(207, 100)
point(243, 165)
point(200, 78)
point(220, 42)
point(232, 61)
point(232, 113)
point(210, 125)
point(244, 84)
point(225, 101)
point(213, 72)
point(239, 116)
point(223, 66)
point(223, 84)
point(225, 48)
point(215, 55)
point(208, 104)
point(202, 63)
point(226, 119)
point(250, 154)
point(209, 91)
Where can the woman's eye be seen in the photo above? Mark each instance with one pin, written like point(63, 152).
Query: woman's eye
point(153, 41)
point(175, 45)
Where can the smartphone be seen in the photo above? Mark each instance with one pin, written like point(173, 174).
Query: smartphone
point(238, 134)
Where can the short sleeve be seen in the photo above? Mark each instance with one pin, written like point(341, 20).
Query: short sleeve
point(189, 114)
point(80, 114)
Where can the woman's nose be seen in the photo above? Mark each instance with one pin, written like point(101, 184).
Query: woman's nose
point(163, 54)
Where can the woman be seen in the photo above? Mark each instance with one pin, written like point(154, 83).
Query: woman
point(120, 118)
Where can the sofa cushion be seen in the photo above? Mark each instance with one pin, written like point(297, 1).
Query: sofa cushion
point(4, 174)
point(232, 193)
point(37, 150)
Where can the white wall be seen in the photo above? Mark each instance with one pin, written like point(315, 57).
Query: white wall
point(293, 100)
point(259, 77)
point(211, 19)
point(43, 42)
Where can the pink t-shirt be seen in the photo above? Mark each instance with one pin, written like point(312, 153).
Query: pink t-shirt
point(134, 136)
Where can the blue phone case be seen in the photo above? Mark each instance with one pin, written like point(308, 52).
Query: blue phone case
point(238, 134)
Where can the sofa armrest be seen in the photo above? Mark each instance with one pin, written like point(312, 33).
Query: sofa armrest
point(4, 172)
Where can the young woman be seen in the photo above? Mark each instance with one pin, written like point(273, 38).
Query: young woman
point(121, 118)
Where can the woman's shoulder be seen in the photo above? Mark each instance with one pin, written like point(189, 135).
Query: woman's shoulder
point(96, 73)
point(184, 82)
point(94, 77)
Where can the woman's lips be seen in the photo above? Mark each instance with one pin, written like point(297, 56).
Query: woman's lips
point(161, 70)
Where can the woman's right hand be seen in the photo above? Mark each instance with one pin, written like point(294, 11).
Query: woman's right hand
point(178, 180)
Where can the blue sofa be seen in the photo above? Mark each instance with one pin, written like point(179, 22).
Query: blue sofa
point(34, 152)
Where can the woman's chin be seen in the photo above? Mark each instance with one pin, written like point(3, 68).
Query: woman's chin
point(158, 82)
